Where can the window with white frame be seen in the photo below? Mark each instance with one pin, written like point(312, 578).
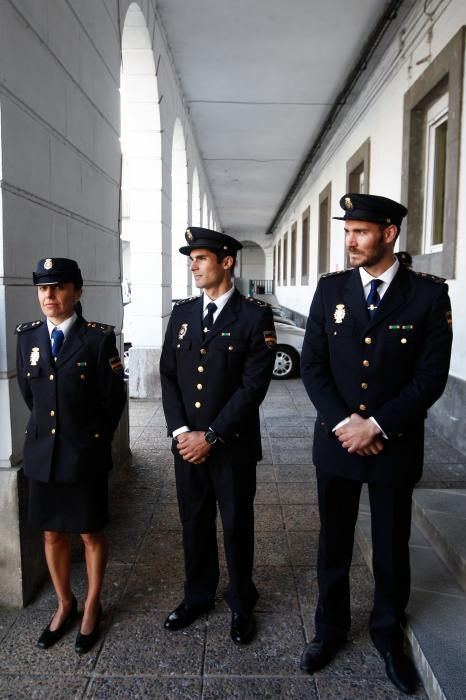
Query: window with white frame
point(435, 174)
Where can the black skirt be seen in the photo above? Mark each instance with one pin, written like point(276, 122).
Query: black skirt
point(74, 508)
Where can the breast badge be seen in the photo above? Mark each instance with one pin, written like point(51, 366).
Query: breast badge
point(339, 313)
point(35, 356)
point(182, 331)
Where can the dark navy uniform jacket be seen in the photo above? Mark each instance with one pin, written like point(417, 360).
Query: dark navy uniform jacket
point(393, 368)
point(75, 401)
point(219, 381)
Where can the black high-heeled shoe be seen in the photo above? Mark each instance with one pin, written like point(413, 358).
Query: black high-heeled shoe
point(85, 642)
point(50, 637)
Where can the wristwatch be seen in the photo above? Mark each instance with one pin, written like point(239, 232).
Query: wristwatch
point(211, 437)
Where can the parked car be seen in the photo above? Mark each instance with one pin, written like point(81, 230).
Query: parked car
point(289, 345)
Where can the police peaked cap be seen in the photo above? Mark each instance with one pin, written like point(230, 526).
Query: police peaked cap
point(197, 237)
point(371, 207)
point(56, 271)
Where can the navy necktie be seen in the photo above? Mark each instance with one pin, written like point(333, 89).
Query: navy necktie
point(208, 321)
point(57, 340)
point(373, 298)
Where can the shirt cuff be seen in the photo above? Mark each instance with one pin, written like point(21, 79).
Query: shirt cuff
point(374, 421)
point(340, 424)
point(178, 431)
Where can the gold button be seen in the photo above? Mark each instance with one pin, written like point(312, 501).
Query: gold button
point(28, 374)
point(82, 376)
point(364, 385)
point(53, 431)
point(97, 435)
point(199, 386)
point(52, 413)
point(362, 407)
point(230, 347)
point(198, 404)
point(51, 377)
point(404, 341)
point(203, 351)
point(368, 341)
point(200, 368)
point(365, 363)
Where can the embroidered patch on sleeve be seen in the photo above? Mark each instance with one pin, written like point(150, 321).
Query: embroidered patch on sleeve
point(270, 338)
point(116, 364)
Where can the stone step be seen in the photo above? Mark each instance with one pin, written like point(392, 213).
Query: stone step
point(436, 613)
point(441, 516)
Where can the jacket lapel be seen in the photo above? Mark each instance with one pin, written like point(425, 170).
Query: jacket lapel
point(42, 341)
point(73, 342)
point(226, 318)
point(394, 297)
point(194, 321)
point(353, 295)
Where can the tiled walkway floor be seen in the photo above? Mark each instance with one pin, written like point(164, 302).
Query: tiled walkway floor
point(136, 657)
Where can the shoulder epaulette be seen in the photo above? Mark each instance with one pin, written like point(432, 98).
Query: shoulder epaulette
point(180, 302)
point(333, 274)
point(428, 276)
point(103, 327)
point(27, 326)
point(257, 302)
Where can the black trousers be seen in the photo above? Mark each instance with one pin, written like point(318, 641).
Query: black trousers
point(199, 488)
point(390, 525)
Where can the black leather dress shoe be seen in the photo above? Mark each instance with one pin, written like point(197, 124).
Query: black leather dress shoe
point(243, 628)
point(49, 637)
point(319, 653)
point(85, 642)
point(183, 616)
point(401, 671)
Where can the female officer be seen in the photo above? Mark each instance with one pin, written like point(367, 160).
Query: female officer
point(71, 377)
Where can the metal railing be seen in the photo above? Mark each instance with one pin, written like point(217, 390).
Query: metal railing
point(260, 287)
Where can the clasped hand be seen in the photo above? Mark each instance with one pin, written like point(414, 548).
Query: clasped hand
point(360, 435)
point(193, 446)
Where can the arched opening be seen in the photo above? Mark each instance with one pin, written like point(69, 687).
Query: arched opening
point(250, 267)
point(141, 198)
point(180, 270)
point(196, 200)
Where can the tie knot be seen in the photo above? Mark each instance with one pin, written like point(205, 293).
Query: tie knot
point(211, 307)
point(375, 284)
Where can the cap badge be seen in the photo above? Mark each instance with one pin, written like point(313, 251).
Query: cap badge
point(48, 264)
point(182, 331)
point(339, 313)
point(188, 235)
point(348, 203)
point(35, 356)
point(225, 247)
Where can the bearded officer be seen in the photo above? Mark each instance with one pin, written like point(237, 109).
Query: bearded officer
point(216, 365)
point(375, 357)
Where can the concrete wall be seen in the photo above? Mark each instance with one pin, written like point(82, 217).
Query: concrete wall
point(60, 188)
point(376, 113)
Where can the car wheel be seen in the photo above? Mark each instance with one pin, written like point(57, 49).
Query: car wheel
point(286, 363)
